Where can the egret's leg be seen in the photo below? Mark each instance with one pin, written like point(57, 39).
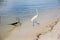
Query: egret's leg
point(33, 23)
point(37, 23)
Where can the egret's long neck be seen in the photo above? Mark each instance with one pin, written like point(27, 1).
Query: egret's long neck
point(37, 11)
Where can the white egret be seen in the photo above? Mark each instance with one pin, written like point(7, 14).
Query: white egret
point(34, 18)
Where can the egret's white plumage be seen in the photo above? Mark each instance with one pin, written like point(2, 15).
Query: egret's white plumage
point(34, 17)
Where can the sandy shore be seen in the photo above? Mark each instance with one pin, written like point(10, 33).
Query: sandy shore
point(38, 32)
point(52, 34)
point(49, 29)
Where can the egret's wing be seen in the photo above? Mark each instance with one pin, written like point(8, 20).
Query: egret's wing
point(33, 18)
